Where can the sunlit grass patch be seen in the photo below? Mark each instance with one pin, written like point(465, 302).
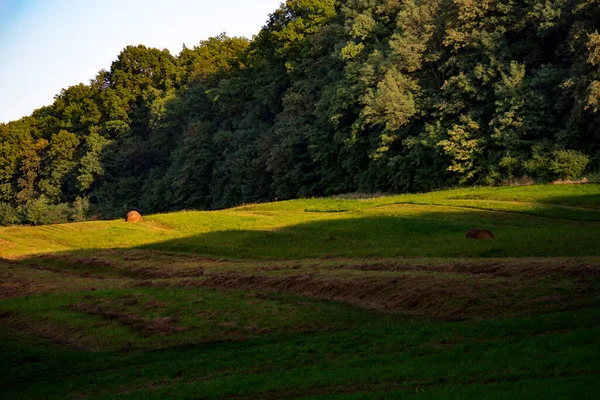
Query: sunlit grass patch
point(408, 225)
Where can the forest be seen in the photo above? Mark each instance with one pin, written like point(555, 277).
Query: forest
point(329, 97)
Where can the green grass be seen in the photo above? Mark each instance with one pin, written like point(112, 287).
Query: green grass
point(313, 298)
point(166, 317)
point(540, 355)
point(551, 220)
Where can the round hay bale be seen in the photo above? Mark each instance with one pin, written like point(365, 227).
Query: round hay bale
point(133, 216)
point(479, 233)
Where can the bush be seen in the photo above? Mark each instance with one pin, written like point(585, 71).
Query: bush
point(9, 215)
point(558, 164)
point(58, 213)
point(34, 211)
point(40, 212)
point(593, 177)
point(80, 209)
point(539, 164)
point(568, 164)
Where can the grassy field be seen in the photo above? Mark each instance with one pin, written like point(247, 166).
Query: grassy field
point(318, 298)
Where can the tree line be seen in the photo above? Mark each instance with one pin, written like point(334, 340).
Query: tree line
point(329, 97)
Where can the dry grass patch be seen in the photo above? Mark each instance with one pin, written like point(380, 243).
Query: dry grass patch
point(147, 326)
point(64, 334)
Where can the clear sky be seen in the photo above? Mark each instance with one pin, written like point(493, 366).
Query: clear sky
point(47, 45)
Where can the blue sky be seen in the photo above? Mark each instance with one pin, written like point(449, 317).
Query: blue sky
point(47, 45)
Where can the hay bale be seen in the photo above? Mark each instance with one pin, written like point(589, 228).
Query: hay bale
point(133, 216)
point(479, 233)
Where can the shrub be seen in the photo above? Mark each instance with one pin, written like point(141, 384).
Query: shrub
point(34, 211)
point(558, 164)
point(539, 164)
point(80, 209)
point(9, 215)
point(40, 212)
point(593, 177)
point(58, 213)
point(568, 164)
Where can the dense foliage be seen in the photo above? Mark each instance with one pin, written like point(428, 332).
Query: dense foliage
point(330, 97)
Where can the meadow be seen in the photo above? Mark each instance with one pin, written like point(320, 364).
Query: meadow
point(349, 297)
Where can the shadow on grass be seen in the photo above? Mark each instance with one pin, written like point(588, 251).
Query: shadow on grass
point(422, 235)
point(590, 201)
point(397, 230)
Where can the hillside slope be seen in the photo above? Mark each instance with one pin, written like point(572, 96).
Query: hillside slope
point(318, 298)
point(545, 220)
